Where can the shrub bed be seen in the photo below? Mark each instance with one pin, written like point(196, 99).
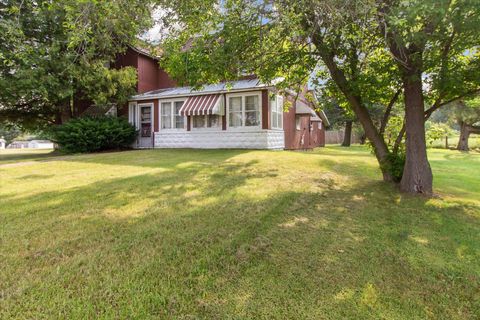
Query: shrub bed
point(93, 134)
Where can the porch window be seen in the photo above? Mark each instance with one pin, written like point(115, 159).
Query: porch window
point(244, 111)
point(170, 115)
point(252, 111)
point(198, 121)
point(235, 112)
point(276, 105)
point(132, 114)
point(166, 115)
point(206, 121)
point(179, 119)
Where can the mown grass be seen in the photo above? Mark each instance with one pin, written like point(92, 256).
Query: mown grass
point(186, 234)
point(473, 142)
point(22, 155)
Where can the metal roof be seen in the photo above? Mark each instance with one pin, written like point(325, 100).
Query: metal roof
point(241, 85)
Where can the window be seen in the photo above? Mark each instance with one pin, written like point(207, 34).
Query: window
point(276, 107)
point(166, 115)
point(170, 115)
point(235, 112)
point(132, 114)
point(252, 112)
point(213, 121)
point(206, 121)
point(298, 122)
point(198, 121)
point(179, 119)
point(244, 111)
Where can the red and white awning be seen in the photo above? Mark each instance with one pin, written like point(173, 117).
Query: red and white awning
point(202, 105)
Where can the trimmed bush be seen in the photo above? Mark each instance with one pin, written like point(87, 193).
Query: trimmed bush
point(93, 134)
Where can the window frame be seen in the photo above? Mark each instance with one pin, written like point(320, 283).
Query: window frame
point(172, 115)
point(243, 95)
point(133, 114)
point(205, 127)
point(277, 112)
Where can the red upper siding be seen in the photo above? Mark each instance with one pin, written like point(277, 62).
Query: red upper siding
point(306, 137)
point(150, 75)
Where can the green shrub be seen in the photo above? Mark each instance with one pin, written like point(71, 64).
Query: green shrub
point(395, 165)
point(436, 132)
point(92, 134)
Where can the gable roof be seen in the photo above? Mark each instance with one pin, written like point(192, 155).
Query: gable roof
point(144, 52)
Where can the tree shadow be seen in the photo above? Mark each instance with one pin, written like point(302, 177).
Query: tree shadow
point(200, 242)
point(35, 176)
point(165, 158)
point(34, 155)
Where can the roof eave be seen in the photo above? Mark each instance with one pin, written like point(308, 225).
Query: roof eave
point(159, 96)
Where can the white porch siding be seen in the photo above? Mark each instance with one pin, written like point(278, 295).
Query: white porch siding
point(260, 139)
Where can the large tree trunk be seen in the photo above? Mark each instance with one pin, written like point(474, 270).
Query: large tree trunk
point(347, 138)
point(464, 135)
point(417, 174)
point(465, 131)
point(379, 146)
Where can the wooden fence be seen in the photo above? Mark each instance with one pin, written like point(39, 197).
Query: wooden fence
point(336, 137)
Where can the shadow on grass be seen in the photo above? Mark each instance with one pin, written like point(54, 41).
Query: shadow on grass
point(197, 242)
point(26, 155)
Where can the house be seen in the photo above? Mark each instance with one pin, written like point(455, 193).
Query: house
point(40, 144)
point(19, 144)
point(33, 144)
point(2, 143)
point(240, 114)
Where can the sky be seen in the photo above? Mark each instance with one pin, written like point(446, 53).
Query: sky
point(154, 34)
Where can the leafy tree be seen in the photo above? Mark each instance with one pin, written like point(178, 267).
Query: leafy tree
point(9, 132)
point(339, 118)
point(53, 51)
point(429, 37)
point(436, 131)
point(463, 115)
point(468, 119)
point(367, 51)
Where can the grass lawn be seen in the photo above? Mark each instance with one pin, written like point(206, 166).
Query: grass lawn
point(187, 234)
point(23, 155)
point(473, 142)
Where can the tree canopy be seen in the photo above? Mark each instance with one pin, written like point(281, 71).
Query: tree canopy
point(362, 52)
point(52, 50)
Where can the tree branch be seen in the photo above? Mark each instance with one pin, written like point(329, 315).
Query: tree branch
point(388, 111)
point(439, 104)
point(398, 141)
point(474, 129)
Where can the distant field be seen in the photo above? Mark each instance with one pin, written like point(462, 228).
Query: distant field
point(236, 234)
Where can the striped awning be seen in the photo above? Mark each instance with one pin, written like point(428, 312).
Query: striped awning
point(202, 105)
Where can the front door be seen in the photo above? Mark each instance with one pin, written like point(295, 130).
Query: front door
point(145, 139)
